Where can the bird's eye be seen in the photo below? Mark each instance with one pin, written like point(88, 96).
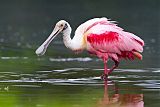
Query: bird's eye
point(65, 27)
point(61, 25)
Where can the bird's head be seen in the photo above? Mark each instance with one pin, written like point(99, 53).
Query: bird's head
point(60, 27)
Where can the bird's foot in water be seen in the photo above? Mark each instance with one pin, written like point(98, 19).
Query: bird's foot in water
point(104, 77)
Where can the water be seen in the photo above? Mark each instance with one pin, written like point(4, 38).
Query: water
point(75, 82)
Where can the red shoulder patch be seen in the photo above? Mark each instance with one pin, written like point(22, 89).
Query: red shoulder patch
point(104, 37)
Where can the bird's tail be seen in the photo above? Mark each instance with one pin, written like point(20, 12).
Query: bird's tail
point(137, 55)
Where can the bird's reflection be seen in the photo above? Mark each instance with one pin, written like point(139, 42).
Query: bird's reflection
point(120, 100)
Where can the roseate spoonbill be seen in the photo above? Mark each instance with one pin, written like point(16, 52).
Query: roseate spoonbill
point(100, 37)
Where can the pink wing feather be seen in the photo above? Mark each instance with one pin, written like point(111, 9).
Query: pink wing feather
point(106, 37)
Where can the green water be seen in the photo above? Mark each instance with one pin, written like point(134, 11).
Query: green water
point(75, 82)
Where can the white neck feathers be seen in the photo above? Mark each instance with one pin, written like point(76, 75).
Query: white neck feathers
point(73, 44)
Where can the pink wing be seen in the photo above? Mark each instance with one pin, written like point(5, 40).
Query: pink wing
point(113, 40)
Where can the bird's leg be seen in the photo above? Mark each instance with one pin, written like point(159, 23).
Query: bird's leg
point(114, 66)
point(104, 76)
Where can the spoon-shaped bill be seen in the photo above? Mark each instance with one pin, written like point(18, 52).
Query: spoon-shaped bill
point(42, 49)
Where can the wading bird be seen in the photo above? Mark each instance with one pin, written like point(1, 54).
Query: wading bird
point(100, 37)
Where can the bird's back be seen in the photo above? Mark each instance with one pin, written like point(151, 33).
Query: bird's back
point(80, 33)
point(92, 26)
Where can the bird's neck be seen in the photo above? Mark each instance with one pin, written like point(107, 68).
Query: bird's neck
point(70, 43)
point(67, 38)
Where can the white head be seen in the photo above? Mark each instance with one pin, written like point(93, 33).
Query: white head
point(60, 27)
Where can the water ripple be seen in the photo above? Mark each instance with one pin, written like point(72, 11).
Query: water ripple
point(70, 69)
point(86, 59)
point(13, 58)
point(147, 79)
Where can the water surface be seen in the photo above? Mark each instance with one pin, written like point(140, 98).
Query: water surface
point(67, 82)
